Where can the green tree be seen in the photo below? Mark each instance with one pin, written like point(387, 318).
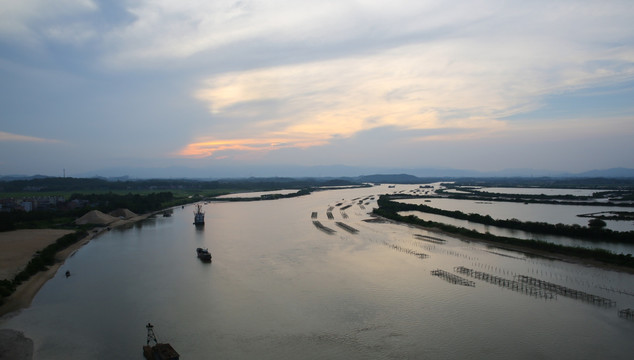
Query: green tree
point(596, 223)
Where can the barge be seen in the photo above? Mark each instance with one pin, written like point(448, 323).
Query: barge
point(158, 351)
point(203, 254)
point(199, 216)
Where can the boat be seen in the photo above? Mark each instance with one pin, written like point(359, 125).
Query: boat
point(158, 351)
point(199, 215)
point(203, 254)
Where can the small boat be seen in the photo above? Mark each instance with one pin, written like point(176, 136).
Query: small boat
point(203, 254)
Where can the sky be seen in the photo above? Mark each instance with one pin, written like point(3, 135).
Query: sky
point(90, 85)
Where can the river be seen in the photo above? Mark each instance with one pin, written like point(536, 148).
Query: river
point(281, 288)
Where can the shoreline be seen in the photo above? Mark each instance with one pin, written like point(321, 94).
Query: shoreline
point(24, 294)
point(15, 344)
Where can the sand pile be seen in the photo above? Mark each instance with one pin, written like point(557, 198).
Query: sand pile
point(96, 217)
point(122, 213)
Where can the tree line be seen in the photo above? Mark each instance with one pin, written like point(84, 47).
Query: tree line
point(389, 209)
point(69, 184)
point(63, 217)
point(136, 203)
point(592, 233)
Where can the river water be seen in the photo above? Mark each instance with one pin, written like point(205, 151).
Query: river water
point(549, 213)
point(281, 288)
point(617, 248)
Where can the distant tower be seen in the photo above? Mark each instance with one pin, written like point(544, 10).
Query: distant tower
point(64, 173)
point(150, 334)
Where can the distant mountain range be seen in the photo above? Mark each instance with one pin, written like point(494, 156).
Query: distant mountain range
point(368, 174)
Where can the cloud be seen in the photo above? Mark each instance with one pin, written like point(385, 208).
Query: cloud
point(74, 33)
point(210, 147)
point(6, 137)
point(453, 83)
point(167, 30)
point(282, 75)
point(26, 21)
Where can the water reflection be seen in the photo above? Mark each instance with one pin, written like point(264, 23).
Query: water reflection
point(616, 248)
point(553, 214)
point(540, 191)
point(279, 288)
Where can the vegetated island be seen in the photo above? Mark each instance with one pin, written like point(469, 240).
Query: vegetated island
point(390, 209)
point(591, 233)
point(621, 196)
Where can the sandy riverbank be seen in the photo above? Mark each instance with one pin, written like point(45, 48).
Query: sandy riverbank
point(17, 249)
point(25, 293)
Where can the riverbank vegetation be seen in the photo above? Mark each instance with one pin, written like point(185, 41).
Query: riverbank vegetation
point(139, 196)
point(615, 198)
point(592, 233)
point(72, 198)
point(596, 183)
point(390, 209)
point(40, 262)
point(179, 187)
point(301, 192)
point(605, 192)
point(63, 216)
